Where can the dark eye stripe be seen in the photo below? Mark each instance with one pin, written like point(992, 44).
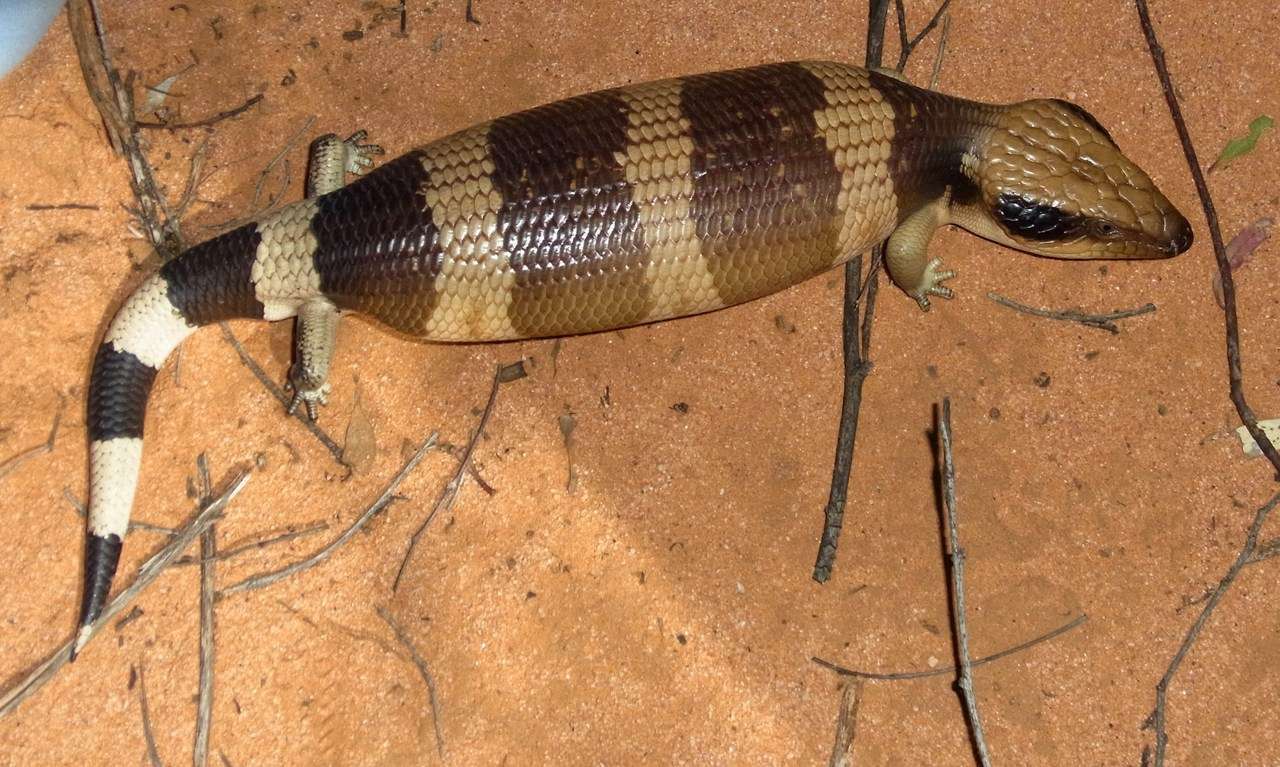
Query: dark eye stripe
point(1034, 220)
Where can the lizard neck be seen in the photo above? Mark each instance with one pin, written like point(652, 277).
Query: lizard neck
point(936, 137)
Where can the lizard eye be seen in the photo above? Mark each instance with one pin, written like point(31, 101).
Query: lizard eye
point(1105, 230)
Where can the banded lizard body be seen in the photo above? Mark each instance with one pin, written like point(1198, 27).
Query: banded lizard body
point(617, 208)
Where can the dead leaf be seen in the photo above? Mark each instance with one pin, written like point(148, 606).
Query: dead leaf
point(361, 443)
point(1240, 251)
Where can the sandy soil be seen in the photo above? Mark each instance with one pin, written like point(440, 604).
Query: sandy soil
point(663, 612)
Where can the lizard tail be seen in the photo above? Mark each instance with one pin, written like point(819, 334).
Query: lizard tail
point(208, 283)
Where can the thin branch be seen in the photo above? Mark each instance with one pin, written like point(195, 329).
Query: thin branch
point(388, 495)
point(194, 180)
point(153, 753)
point(959, 624)
point(217, 118)
point(856, 326)
point(1101, 321)
point(943, 36)
point(1157, 717)
point(79, 509)
point(907, 47)
point(846, 724)
point(1235, 367)
point(208, 553)
point(151, 570)
point(11, 465)
point(114, 100)
point(423, 671)
point(450, 492)
point(334, 448)
point(948, 670)
point(37, 206)
point(224, 554)
point(856, 367)
point(856, 370)
point(91, 49)
point(1265, 551)
point(279, 158)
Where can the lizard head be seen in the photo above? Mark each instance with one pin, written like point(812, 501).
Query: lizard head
point(1050, 180)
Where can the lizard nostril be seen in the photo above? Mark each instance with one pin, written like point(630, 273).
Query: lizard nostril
point(1182, 237)
point(1177, 236)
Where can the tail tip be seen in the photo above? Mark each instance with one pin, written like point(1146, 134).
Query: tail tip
point(82, 638)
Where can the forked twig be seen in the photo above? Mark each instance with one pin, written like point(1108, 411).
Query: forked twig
point(1235, 374)
point(11, 465)
point(857, 322)
point(1104, 321)
point(1156, 719)
point(449, 494)
point(907, 47)
point(386, 497)
point(1235, 371)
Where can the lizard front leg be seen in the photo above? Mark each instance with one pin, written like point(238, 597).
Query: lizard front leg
point(907, 253)
point(316, 329)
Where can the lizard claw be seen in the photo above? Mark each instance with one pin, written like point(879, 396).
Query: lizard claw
point(359, 154)
point(310, 398)
point(931, 284)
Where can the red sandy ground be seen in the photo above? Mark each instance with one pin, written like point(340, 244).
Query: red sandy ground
point(662, 613)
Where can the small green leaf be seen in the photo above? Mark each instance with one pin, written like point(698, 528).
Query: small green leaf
point(1243, 145)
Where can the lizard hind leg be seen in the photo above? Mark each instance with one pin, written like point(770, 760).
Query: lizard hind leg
point(907, 254)
point(314, 337)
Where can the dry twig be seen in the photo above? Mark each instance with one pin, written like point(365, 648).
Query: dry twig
point(208, 553)
point(114, 100)
point(1156, 719)
point(11, 465)
point(846, 724)
point(449, 494)
point(907, 47)
point(224, 554)
point(423, 671)
point(856, 325)
point(334, 448)
point(1101, 321)
point(204, 123)
point(959, 623)
point(388, 495)
point(153, 753)
point(1235, 374)
point(1235, 368)
point(901, 675)
point(279, 159)
point(151, 570)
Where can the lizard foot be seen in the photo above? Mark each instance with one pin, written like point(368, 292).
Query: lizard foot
point(310, 397)
point(931, 284)
point(359, 154)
